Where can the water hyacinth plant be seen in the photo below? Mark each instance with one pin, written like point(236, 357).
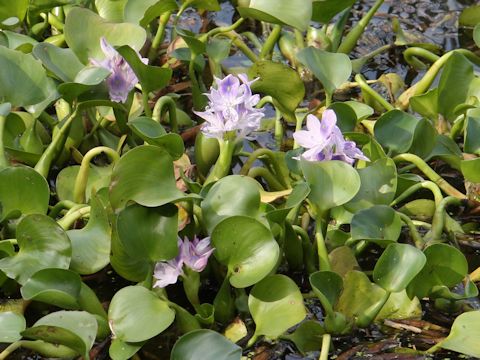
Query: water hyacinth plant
point(255, 189)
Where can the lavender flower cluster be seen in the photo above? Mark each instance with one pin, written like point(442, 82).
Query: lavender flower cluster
point(324, 141)
point(231, 108)
point(193, 254)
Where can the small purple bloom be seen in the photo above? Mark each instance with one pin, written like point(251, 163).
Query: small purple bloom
point(193, 254)
point(324, 141)
point(122, 78)
point(231, 108)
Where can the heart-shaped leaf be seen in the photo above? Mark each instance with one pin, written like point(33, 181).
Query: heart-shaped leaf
point(327, 285)
point(137, 314)
point(463, 337)
point(247, 248)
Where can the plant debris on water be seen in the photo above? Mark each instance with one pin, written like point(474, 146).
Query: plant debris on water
point(243, 179)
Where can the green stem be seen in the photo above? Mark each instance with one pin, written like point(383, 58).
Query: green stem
point(46, 349)
point(55, 148)
point(82, 176)
point(59, 206)
point(320, 230)
point(307, 248)
point(146, 106)
point(438, 221)
point(240, 44)
point(3, 158)
point(253, 39)
point(222, 166)
point(354, 34)
point(10, 349)
point(221, 29)
point(326, 339)
point(279, 131)
point(271, 159)
point(430, 173)
point(412, 54)
point(298, 126)
point(371, 313)
point(365, 87)
point(416, 237)
point(269, 44)
point(67, 221)
point(357, 64)
point(191, 285)
point(159, 35)
point(430, 185)
point(272, 182)
point(164, 104)
point(339, 28)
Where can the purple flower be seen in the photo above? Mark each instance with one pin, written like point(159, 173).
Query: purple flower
point(231, 108)
point(324, 140)
point(122, 78)
point(193, 254)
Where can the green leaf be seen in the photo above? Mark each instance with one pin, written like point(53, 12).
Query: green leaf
point(276, 304)
point(379, 224)
point(476, 34)
point(11, 325)
point(454, 84)
point(13, 12)
point(397, 267)
point(43, 244)
point(61, 62)
point(151, 78)
point(145, 11)
point(325, 10)
point(346, 116)
point(378, 185)
point(120, 350)
point(84, 28)
point(307, 337)
point(154, 134)
point(332, 183)
point(149, 233)
point(426, 104)
point(154, 186)
point(74, 329)
point(31, 195)
point(464, 335)
point(111, 10)
point(327, 285)
point(217, 205)
point(279, 81)
point(471, 170)
point(211, 5)
point(247, 248)
point(470, 16)
point(296, 13)
point(25, 75)
point(56, 287)
point(472, 131)
point(446, 265)
point(332, 69)
point(205, 345)
point(91, 244)
point(137, 314)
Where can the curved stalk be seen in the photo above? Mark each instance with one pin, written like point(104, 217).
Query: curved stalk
point(365, 87)
point(430, 185)
point(416, 237)
point(166, 103)
point(438, 221)
point(357, 64)
point(159, 35)
point(82, 176)
point(430, 173)
point(271, 159)
point(59, 206)
point(412, 54)
point(221, 29)
point(253, 39)
point(222, 166)
point(269, 44)
point(307, 248)
point(67, 221)
point(320, 230)
point(352, 37)
point(268, 176)
point(326, 339)
point(240, 44)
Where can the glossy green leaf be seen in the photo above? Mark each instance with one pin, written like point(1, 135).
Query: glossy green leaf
point(43, 244)
point(299, 192)
point(57, 287)
point(247, 248)
point(332, 69)
point(111, 10)
point(325, 10)
point(471, 170)
point(144, 12)
point(464, 334)
point(151, 78)
point(74, 329)
point(379, 223)
point(26, 75)
point(454, 84)
point(296, 13)
point(332, 183)
point(378, 185)
point(346, 116)
point(307, 337)
point(61, 62)
point(31, 195)
point(327, 285)
point(472, 131)
point(11, 325)
point(279, 81)
point(154, 134)
point(89, 83)
point(426, 104)
point(205, 345)
point(84, 28)
point(470, 16)
point(149, 233)
point(137, 314)
point(446, 265)
point(397, 266)
point(276, 304)
point(120, 350)
point(154, 185)
point(91, 244)
point(13, 12)
point(217, 205)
